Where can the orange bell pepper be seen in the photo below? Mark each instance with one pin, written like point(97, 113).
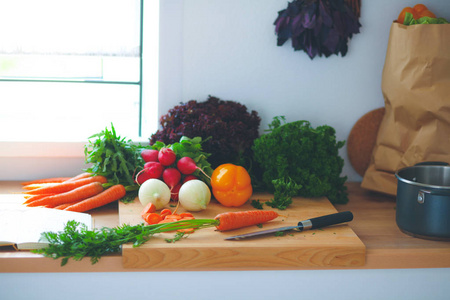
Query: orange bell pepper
point(231, 185)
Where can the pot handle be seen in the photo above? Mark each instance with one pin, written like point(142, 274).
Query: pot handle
point(432, 163)
point(421, 195)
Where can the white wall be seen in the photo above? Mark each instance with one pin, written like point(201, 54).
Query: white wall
point(228, 49)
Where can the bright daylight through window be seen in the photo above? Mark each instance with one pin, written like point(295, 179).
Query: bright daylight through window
point(68, 69)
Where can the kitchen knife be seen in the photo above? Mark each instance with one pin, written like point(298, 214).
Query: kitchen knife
point(313, 223)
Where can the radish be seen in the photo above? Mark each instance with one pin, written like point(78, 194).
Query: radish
point(154, 191)
point(187, 166)
point(142, 177)
point(174, 192)
point(194, 195)
point(171, 177)
point(189, 177)
point(149, 155)
point(166, 156)
point(154, 169)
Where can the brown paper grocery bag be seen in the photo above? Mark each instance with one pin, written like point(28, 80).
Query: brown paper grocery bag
point(416, 91)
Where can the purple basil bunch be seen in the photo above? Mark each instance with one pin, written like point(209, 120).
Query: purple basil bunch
point(318, 27)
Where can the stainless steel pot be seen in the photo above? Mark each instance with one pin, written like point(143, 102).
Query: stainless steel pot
point(423, 200)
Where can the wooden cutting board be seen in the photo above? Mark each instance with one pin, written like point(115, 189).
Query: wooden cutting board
point(206, 249)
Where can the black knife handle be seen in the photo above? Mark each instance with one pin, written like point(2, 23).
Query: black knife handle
point(323, 221)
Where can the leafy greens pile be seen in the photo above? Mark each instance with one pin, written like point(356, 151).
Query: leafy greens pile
point(298, 160)
point(409, 20)
point(318, 27)
point(227, 128)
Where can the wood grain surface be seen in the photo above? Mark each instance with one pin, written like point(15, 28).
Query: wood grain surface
point(206, 249)
point(387, 246)
point(374, 223)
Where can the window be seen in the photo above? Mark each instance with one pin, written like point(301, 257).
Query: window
point(68, 69)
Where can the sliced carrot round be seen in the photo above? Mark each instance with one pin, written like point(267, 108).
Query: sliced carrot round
point(153, 218)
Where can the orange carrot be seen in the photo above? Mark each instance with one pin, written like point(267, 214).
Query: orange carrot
point(46, 180)
point(165, 221)
point(62, 206)
point(153, 218)
point(66, 186)
point(184, 215)
point(165, 212)
point(109, 195)
point(235, 220)
point(149, 208)
point(173, 217)
point(79, 193)
point(34, 186)
point(80, 176)
point(31, 198)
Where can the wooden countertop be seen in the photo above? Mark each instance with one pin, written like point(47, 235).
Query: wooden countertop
point(374, 223)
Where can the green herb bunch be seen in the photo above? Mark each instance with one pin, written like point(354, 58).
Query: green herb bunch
point(296, 159)
point(77, 242)
point(115, 158)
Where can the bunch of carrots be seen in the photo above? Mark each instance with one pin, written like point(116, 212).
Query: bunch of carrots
point(80, 193)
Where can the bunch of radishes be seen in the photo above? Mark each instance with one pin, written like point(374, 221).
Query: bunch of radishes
point(163, 165)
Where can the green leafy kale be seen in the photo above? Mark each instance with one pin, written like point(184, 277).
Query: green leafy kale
point(298, 160)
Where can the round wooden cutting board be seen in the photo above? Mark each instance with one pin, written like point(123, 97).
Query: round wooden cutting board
point(362, 138)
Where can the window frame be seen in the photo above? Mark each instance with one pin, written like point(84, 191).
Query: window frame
point(70, 154)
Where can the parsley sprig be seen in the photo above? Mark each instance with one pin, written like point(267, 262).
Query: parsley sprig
point(77, 242)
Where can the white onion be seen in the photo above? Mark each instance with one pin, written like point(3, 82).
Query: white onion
point(194, 195)
point(154, 191)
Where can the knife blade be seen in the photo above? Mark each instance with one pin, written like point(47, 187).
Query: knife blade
point(313, 223)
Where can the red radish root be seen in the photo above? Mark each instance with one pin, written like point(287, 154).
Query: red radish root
point(149, 155)
point(166, 156)
point(187, 166)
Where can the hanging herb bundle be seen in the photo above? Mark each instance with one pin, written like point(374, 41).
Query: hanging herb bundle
point(318, 27)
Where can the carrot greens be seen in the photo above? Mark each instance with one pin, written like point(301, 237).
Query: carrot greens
point(115, 158)
point(77, 242)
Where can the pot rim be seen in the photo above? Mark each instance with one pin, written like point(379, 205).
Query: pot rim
point(419, 184)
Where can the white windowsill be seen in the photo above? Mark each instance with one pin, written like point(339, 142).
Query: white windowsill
point(55, 149)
